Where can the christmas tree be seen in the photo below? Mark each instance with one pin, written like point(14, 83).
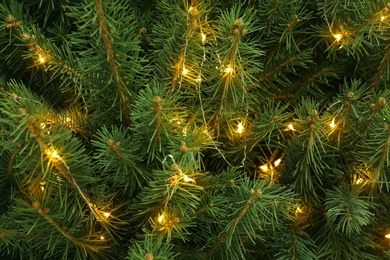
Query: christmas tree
point(195, 129)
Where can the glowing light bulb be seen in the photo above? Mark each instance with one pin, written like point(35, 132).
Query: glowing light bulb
point(264, 167)
point(101, 237)
point(188, 179)
point(337, 36)
point(106, 214)
point(277, 162)
point(358, 181)
point(203, 37)
point(52, 153)
point(299, 210)
point(185, 71)
point(198, 79)
point(383, 18)
point(387, 236)
point(240, 128)
point(67, 119)
point(160, 218)
point(291, 127)
point(42, 186)
point(41, 59)
point(332, 124)
point(228, 69)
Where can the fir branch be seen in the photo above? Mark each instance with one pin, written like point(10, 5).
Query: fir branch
point(379, 166)
point(225, 81)
point(31, 44)
point(158, 207)
point(57, 161)
point(294, 243)
point(255, 195)
point(114, 147)
point(377, 17)
point(112, 63)
point(384, 63)
point(287, 31)
point(376, 109)
point(315, 76)
point(272, 16)
point(158, 109)
point(11, 161)
point(205, 208)
point(42, 212)
point(277, 68)
point(192, 19)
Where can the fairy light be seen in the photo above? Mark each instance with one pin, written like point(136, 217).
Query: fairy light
point(264, 168)
point(387, 236)
point(203, 37)
point(185, 71)
point(101, 237)
point(240, 128)
point(52, 154)
point(383, 18)
point(337, 36)
point(358, 181)
point(299, 210)
point(332, 124)
point(291, 127)
point(160, 218)
point(106, 214)
point(41, 59)
point(198, 79)
point(277, 162)
point(188, 179)
point(42, 186)
point(228, 70)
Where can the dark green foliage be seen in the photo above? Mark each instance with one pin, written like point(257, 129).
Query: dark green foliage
point(186, 129)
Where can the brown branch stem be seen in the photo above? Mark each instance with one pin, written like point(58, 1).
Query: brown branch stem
point(112, 63)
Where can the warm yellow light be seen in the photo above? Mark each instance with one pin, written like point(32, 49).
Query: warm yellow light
point(228, 69)
point(299, 210)
point(358, 181)
point(185, 71)
point(101, 237)
point(337, 36)
point(383, 18)
point(240, 128)
point(198, 79)
point(52, 153)
point(332, 124)
point(264, 167)
point(106, 214)
point(277, 162)
point(203, 37)
point(41, 59)
point(291, 127)
point(188, 179)
point(43, 125)
point(160, 218)
point(67, 119)
point(387, 236)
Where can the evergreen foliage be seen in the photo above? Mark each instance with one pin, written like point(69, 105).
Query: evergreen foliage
point(194, 129)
